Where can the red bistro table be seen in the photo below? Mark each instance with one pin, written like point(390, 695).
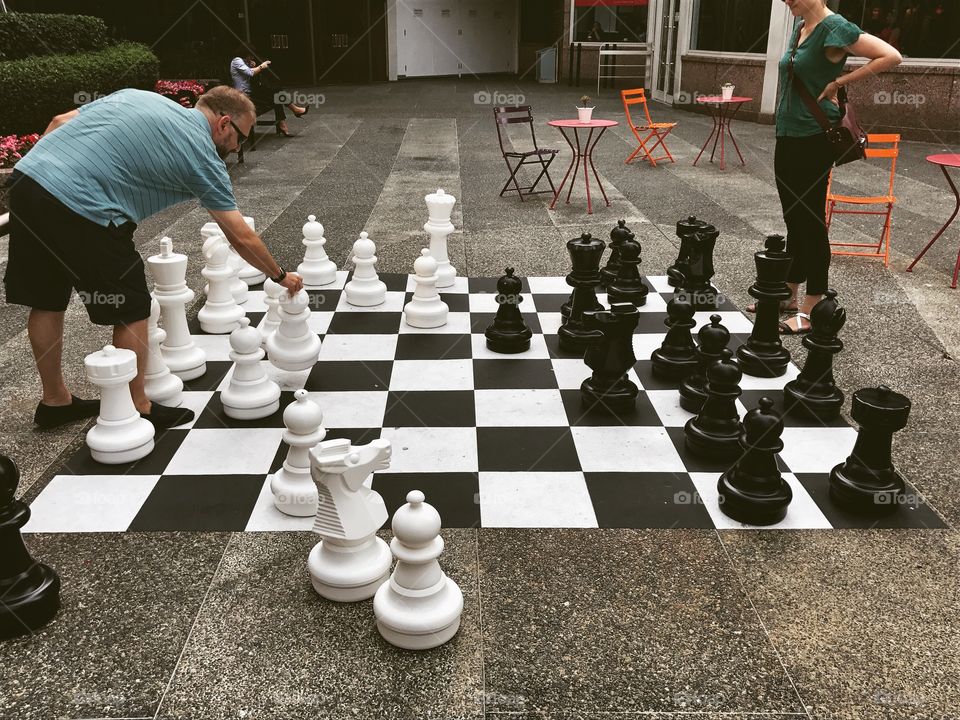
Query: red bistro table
point(944, 161)
point(722, 112)
point(585, 154)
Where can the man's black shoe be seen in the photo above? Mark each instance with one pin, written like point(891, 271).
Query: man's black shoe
point(48, 417)
point(164, 416)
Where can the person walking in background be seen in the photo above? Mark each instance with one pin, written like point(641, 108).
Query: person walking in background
point(247, 76)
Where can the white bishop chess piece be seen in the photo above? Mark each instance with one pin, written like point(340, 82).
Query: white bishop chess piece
point(365, 288)
point(238, 287)
point(292, 486)
point(159, 383)
point(350, 562)
point(425, 309)
point(220, 314)
point(316, 269)
point(250, 395)
point(271, 298)
point(438, 226)
point(293, 346)
point(420, 607)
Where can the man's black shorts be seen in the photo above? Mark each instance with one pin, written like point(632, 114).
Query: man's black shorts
point(53, 250)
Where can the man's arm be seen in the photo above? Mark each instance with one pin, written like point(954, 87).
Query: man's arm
point(60, 120)
point(251, 248)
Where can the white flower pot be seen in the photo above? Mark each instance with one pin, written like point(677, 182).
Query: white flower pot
point(585, 115)
point(726, 91)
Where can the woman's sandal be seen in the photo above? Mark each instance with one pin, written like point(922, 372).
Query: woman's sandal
point(785, 329)
point(785, 308)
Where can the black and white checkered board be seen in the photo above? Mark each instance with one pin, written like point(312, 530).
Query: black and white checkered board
point(493, 440)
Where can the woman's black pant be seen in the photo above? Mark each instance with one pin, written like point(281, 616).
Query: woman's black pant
point(802, 168)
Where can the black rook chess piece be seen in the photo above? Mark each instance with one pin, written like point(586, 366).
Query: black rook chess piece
point(867, 482)
point(686, 229)
point(715, 432)
point(753, 491)
point(677, 355)
point(814, 393)
point(763, 355)
point(698, 270)
point(628, 286)
point(509, 333)
point(29, 591)
point(610, 356)
point(620, 233)
point(713, 339)
point(585, 253)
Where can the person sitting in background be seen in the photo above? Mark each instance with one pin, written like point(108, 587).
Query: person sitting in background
point(247, 76)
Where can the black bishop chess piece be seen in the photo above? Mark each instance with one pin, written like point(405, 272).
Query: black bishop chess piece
point(868, 483)
point(713, 339)
point(763, 355)
point(753, 491)
point(585, 253)
point(509, 333)
point(686, 229)
point(628, 286)
point(698, 269)
point(610, 271)
point(715, 432)
point(677, 355)
point(610, 356)
point(29, 591)
point(814, 393)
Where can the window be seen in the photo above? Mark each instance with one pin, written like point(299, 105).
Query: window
point(731, 25)
point(917, 28)
point(610, 21)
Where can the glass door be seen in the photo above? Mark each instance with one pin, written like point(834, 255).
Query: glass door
point(665, 49)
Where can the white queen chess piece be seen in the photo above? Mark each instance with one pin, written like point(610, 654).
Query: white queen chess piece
point(419, 607)
point(365, 288)
point(250, 394)
point(220, 314)
point(425, 309)
point(237, 286)
point(294, 492)
point(293, 346)
point(316, 269)
point(158, 382)
point(350, 562)
point(438, 226)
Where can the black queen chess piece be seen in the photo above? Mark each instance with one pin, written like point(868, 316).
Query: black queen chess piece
point(677, 355)
point(585, 253)
point(617, 236)
point(509, 333)
point(814, 393)
point(763, 355)
point(686, 229)
point(628, 286)
point(29, 591)
point(610, 355)
point(867, 482)
point(715, 432)
point(713, 339)
point(753, 491)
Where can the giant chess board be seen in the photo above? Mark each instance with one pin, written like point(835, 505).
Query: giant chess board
point(492, 440)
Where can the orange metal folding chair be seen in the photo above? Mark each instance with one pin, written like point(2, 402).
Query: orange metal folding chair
point(652, 129)
point(878, 146)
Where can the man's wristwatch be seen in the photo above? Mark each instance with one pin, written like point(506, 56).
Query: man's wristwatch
point(279, 278)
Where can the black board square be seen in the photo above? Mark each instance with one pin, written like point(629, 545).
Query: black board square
point(165, 445)
point(430, 408)
point(213, 415)
point(527, 449)
point(331, 375)
point(365, 323)
point(216, 371)
point(596, 414)
point(646, 500)
point(433, 346)
point(199, 503)
point(912, 512)
point(513, 374)
point(456, 496)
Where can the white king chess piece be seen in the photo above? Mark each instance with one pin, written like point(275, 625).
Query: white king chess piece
point(294, 492)
point(439, 207)
point(220, 314)
point(158, 382)
point(316, 269)
point(365, 288)
point(169, 270)
point(350, 562)
point(237, 286)
point(425, 309)
point(250, 395)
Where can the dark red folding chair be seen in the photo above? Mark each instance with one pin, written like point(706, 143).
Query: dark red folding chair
point(509, 115)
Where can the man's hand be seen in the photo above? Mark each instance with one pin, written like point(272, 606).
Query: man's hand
point(293, 283)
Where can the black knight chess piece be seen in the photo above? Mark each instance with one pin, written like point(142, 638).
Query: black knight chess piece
point(715, 432)
point(509, 333)
point(29, 591)
point(763, 355)
point(698, 271)
point(867, 482)
point(753, 491)
point(610, 271)
point(585, 253)
point(814, 393)
point(713, 339)
point(628, 286)
point(686, 229)
point(677, 355)
point(610, 356)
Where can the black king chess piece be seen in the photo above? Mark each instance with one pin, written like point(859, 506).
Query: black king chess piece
point(509, 333)
point(715, 432)
point(677, 355)
point(753, 491)
point(867, 482)
point(620, 233)
point(686, 229)
point(628, 286)
point(585, 253)
point(610, 356)
point(763, 355)
point(814, 393)
point(713, 338)
point(29, 591)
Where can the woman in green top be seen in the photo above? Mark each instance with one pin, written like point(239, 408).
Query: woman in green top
point(803, 159)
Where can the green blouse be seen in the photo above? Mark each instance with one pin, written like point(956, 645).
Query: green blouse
point(812, 64)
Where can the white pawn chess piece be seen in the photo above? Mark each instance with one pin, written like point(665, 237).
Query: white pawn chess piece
point(293, 346)
point(316, 269)
point(294, 492)
point(159, 383)
point(237, 286)
point(248, 273)
point(271, 321)
point(250, 394)
point(120, 435)
point(365, 288)
point(350, 562)
point(169, 270)
point(420, 607)
point(438, 226)
point(220, 314)
point(425, 309)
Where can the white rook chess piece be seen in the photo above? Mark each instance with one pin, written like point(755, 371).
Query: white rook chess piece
point(237, 286)
point(293, 346)
point(294, 492)
point(169, 270)
point(271, 321)
point(316, 269)
point(220, 314)
point(158, 382)
point(425, 309)
point(420, 607)
point(438, 226)
point(120, 435)
point(365, 288)
point(350, 562)
point(250, 394)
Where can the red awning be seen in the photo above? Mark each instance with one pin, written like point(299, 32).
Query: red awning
point(609, 3)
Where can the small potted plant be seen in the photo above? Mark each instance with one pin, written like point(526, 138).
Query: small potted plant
point(726, 90)
point(585, 110)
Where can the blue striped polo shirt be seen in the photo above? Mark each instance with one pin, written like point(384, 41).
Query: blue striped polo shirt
point(129, 155)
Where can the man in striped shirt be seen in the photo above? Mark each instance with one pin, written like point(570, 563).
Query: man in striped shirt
point(75, 200)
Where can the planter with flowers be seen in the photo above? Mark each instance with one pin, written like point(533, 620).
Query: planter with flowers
point(184, 92)
point(585, 110)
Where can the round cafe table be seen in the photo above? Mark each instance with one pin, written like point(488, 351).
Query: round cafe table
point(944, 161)
point(582, 153)
point(722, 112)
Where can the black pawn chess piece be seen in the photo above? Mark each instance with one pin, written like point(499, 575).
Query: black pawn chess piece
point(610, 356)
point(509, 333)
point(763, 355)
point(610, 271)
point(814, 393)
point(713, 339)
point(699, 271)
point(686, 229)
point(29, 591)
point(585, 253)
point(715, 432)
point(628, 286)
point(867, 482)
point(753, 491)
point(677, 355)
